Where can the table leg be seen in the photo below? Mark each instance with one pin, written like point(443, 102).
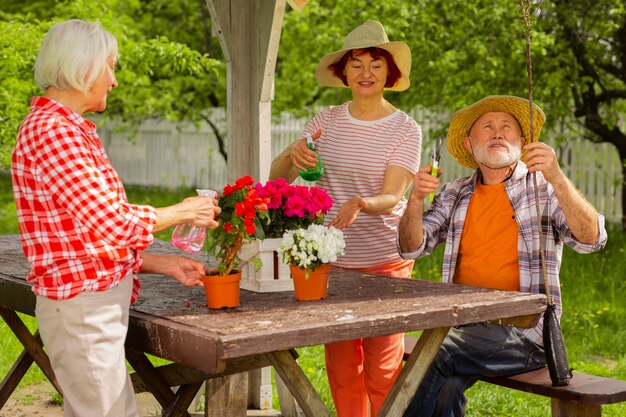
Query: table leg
point(15, 375)
point(413, 372)
point(227, 396)
point(158, 387)
point(184, 397)
point(289, 407)
point(32, 344)
point(300, 387)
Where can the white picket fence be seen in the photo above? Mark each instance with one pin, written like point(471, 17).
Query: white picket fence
point(163, 155)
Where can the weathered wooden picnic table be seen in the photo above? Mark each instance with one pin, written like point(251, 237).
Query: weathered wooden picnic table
point(171, 321)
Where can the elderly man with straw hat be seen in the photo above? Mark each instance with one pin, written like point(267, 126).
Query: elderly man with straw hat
point(490, 227)
point(370, 151)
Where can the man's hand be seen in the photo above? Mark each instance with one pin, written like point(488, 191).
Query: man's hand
point(580, 215)
point(424, 183)
point(541, 157)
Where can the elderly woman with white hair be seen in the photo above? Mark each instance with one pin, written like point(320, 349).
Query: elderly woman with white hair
point(81, 236)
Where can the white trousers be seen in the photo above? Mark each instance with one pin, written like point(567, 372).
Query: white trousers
point(84, 337)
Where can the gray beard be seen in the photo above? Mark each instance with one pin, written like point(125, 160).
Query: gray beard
point(501, 160)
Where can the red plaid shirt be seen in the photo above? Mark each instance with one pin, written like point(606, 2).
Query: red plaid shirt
point(78, 231)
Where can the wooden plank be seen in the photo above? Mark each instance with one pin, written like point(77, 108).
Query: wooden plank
point(251, 49)
point(298, 384)
point(527, 321)
point(260, 388)
point(175, 374)
point(568, 409)
point(31, 343)
point(288, 405)
point(413, 372)
point(184, 397)
point(271, 14)
point(16, 294)
point(221, 22)
point(14, 376)
point(358, 305)
point(174, 341)
point(151, 378)
point(582, 389)
point(227, 393)
point(243, 91)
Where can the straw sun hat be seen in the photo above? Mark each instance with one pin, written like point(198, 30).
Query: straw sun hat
point(369, 34)
point(463, 120)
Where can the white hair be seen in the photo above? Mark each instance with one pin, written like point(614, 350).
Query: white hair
point(73, 55)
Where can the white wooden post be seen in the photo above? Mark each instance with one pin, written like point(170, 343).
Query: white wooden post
point(249, 34)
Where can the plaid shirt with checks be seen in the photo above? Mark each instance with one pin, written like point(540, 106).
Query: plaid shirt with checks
point(78, 231)
point(443, 222)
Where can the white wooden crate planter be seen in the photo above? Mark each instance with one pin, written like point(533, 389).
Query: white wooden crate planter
point(273, 276)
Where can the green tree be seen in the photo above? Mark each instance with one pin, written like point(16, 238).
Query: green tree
point(463, 51)
point(159, 77)
point(171, 68)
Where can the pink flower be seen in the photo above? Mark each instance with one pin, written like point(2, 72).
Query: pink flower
point(320, 202)
point(273, 190)
point(295, 206)
point(292, 207)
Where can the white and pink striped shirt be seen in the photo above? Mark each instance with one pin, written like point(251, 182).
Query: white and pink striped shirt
point(356, 154)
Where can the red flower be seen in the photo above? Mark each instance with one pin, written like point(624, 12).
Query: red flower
point(250, 227)
point(244, 182)
point(253, 211)
point(228, 190)
point(243, 210)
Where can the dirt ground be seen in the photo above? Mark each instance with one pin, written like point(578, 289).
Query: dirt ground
point(38, 401)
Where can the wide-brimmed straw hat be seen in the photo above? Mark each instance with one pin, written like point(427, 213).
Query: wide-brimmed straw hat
point(463, 120)
point(369, 34)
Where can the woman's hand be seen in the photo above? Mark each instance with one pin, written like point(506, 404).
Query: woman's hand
point(203, 210)
point(301, 156)
point(348, 212)
point(183, 269)
point(198, 210)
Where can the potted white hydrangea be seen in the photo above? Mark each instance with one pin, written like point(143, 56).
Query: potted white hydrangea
point(309, 252)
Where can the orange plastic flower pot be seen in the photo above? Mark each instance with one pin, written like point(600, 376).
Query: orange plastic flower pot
point(222, 291)
point(311, 287)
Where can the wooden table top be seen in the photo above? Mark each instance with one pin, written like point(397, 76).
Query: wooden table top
point(172, 321)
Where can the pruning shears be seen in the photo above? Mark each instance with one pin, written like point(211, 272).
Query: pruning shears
point(435, 161)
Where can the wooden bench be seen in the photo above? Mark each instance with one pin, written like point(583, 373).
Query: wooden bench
point(583, 397)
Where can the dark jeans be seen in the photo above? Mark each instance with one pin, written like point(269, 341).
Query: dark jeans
point(468, 352)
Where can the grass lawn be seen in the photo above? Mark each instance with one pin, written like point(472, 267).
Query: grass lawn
point(594, 293)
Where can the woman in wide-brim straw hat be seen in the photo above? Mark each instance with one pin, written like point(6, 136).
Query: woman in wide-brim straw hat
point(370, 151)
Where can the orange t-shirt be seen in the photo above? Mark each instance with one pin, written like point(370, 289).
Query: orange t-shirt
point(488, 250)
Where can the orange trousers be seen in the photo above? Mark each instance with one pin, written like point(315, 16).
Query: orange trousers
point(361, 372)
